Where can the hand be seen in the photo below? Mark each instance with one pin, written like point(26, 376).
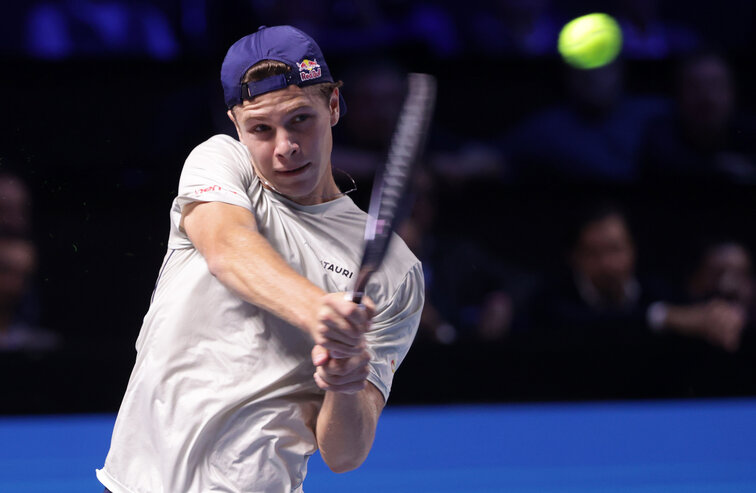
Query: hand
point(723, 323)
point(719, 322)
point(340, 325)
point(343, 375)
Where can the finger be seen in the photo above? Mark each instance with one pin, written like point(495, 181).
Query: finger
point(345, 366)
point(350, 388)
point(369, 306)
point(340, 350)
point(324, 333)
point(353, 313)
point(319, 355)
point(331, 379)
point(342, 330)
point(334, 326)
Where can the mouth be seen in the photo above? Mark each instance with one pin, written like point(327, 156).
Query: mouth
point(295, 171)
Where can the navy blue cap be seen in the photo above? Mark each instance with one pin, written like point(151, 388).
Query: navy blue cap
point(285, 44)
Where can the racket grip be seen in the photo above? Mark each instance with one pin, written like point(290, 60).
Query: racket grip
point(355, 297)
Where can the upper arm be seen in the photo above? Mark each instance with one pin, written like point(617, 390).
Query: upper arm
point(211, 226)
point(394, 328)
point(214, 190)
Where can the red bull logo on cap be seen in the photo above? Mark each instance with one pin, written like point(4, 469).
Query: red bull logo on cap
point(309, 69)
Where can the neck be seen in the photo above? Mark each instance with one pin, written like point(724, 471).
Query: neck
point(326, 192)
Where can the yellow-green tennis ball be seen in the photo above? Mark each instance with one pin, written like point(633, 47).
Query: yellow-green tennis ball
point(590, 41)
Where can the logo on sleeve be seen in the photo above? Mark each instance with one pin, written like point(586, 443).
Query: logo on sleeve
point(309, 69)
point(393, 365)
point(211, 188)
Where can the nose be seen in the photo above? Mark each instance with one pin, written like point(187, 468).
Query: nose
point(285, 145)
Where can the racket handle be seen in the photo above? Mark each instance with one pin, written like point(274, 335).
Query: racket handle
point(359, 287)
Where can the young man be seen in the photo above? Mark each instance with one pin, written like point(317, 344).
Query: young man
point(250, 357)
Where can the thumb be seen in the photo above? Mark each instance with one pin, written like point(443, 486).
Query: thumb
point(319, 355)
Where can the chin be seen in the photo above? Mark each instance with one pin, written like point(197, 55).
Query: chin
point(296, 192)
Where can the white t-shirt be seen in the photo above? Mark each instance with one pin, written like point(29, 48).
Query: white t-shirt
point(221, 397)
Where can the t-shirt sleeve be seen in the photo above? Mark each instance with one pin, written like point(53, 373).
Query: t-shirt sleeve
point(218, 170)
point(394, 329)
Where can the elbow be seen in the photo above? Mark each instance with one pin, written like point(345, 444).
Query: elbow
point(217, 264)
point(343, 464)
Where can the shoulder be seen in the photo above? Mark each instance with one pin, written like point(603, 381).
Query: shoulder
point(218, 146)
point(401, 274)
point(401, 254)
point(220, 157)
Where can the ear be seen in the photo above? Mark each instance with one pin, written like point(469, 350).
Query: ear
point(333, 106)
point(232, 117)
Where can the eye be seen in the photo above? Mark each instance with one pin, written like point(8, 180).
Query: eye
point(261, 128)
point(301, 117)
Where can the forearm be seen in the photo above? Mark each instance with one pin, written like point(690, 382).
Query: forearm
point(346, 427)
point(246, 263)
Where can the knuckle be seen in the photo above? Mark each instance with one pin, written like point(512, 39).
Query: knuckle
point(350, 308)
point(323, 312)
point(321, 328)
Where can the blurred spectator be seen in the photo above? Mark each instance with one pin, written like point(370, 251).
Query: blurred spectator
point(17, 265)
point(15, 206)
point(706, 139)
point(375, 93)
point(645, 35)
point(512, 27)
point(471, 293)
point(603, 299)
point(601, 294)
point(594, 136)
point(724, 270)
point(18, 331)
point(722, 279)
point(71, 28)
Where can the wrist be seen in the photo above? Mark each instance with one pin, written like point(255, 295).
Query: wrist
point(657, 316)
point(307, 317)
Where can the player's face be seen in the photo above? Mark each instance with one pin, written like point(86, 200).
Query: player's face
point(288, 134)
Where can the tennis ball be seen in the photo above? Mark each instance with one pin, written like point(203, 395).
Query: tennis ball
point(590, 41)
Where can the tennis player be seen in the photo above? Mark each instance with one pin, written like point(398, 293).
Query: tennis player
point(251, 357)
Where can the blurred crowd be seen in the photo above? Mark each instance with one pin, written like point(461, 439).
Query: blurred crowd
point(19, 314)
point(569, 205)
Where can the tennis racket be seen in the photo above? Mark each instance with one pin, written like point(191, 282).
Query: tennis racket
point(391, 183)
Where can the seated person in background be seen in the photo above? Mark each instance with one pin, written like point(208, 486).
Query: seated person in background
point(722, 284)
point(604, 299)
point(601, 295)
point(376, 93)
point(471, 293)
point(705, 139)
point(18, 260)
point(17, 330)
point(593, 136)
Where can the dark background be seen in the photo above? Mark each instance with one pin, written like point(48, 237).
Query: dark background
point(100, 135)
